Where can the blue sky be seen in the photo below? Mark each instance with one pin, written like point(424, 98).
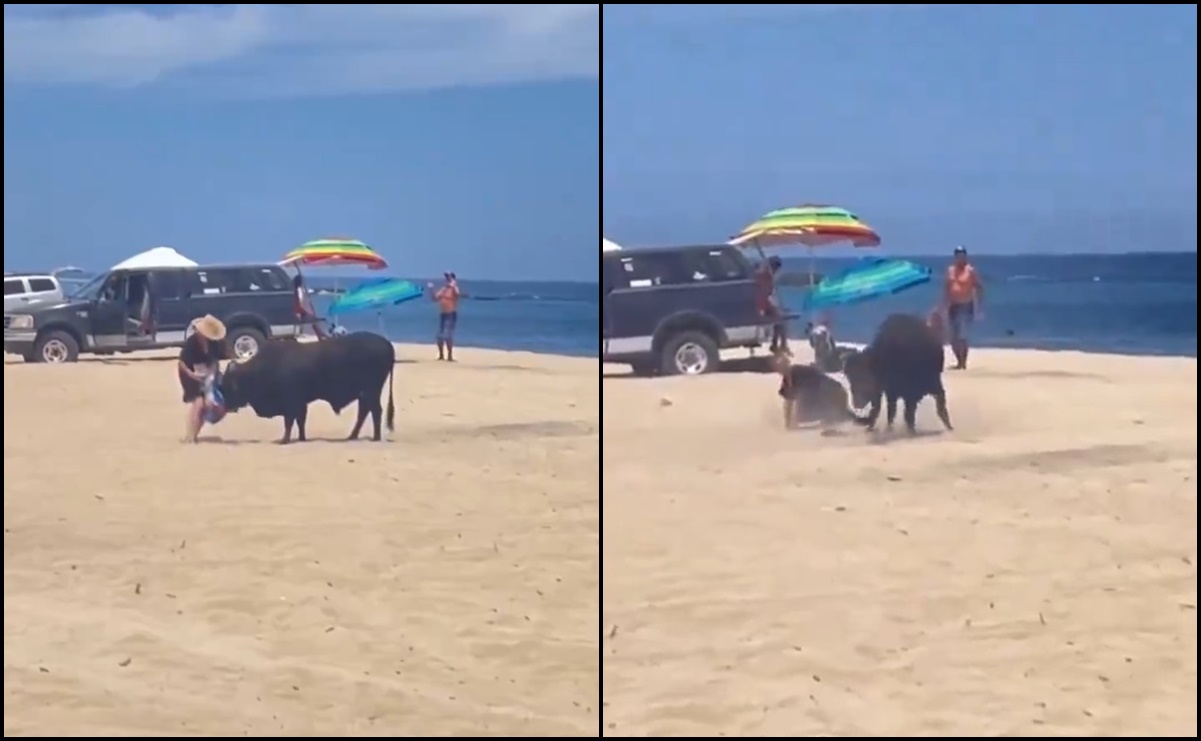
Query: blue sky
point(460, 137)
point(1026, 128)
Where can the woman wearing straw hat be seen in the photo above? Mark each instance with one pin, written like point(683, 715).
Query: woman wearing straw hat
point(199, 359)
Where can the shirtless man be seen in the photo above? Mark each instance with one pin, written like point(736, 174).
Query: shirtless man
point(963, 294)
point(447, 296)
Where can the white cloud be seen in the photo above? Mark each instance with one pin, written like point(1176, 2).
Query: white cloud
point(695, 14)
point(300, 49)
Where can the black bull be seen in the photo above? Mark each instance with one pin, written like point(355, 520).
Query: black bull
point(283, 378)
point(904, 361)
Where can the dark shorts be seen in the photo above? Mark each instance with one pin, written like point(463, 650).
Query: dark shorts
point(446, 325)
point(960, 317)
point(191, 388)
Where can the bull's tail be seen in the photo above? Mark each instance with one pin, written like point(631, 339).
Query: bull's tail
point(391, 406)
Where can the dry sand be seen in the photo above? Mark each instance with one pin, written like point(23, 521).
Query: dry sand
point(443, 583)
point(1032, 573)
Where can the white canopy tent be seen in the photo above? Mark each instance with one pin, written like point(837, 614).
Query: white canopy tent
point(159, 257)
point(607, 246)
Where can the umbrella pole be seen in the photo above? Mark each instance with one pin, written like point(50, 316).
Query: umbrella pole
point(763, 266)
point(812, 273)
point(299, 298)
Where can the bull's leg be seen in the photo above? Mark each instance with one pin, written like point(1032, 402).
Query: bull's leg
point(302, 416)
point(911, 413)
point(360, 418)
point(873, 413)
point(890, 415)
point(940, 401)
point(377, 418)
point(288, 421)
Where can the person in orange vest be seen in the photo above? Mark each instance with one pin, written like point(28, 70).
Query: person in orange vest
point(963, 294)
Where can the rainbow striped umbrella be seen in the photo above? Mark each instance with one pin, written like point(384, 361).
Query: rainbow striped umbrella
point(331, 252)
point(809, 225)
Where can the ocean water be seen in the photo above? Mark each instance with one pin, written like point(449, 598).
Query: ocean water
point(1136, 304)
point(560, 318)
point(548, 317)
point(1144, 304)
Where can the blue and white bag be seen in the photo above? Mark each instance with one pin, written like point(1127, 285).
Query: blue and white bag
point(214, 402)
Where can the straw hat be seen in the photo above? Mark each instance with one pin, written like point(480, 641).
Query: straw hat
point(209, 327)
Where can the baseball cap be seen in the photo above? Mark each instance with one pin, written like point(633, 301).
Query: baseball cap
point(960, 250)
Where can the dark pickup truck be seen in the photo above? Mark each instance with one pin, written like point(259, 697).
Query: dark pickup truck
point(127, 310)
point(671, 310)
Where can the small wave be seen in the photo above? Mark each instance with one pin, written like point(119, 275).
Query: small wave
point(528, 297)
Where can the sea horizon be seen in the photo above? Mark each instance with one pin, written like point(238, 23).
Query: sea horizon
point(840, 253)
point(1134, 303)
point(1131, 303)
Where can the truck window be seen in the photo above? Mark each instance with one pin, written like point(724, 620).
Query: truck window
point(114, 287)
point(189, 284)
point(42, 285)
point(649, 270)
point(727, 265)
point(609, 273)
point(168, 285)
point(14, 287)
point(216, 281)
point(273, 279)
point(715, 266)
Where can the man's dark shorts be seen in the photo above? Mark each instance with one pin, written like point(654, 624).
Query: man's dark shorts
point(960, 317)
point(446, 325)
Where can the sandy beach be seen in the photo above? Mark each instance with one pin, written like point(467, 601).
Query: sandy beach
point(1032, 573)
point(443, 583)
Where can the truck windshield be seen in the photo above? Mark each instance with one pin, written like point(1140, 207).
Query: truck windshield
point(88, 291)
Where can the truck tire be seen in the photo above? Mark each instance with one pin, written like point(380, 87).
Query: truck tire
point(55, 347)
point(244, 342)
point(689, 354)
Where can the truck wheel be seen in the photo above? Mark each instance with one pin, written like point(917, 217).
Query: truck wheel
point(245, 342)
point(55, 347)
point(689, 354)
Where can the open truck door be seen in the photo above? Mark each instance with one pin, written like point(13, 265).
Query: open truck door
point(125, 313)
